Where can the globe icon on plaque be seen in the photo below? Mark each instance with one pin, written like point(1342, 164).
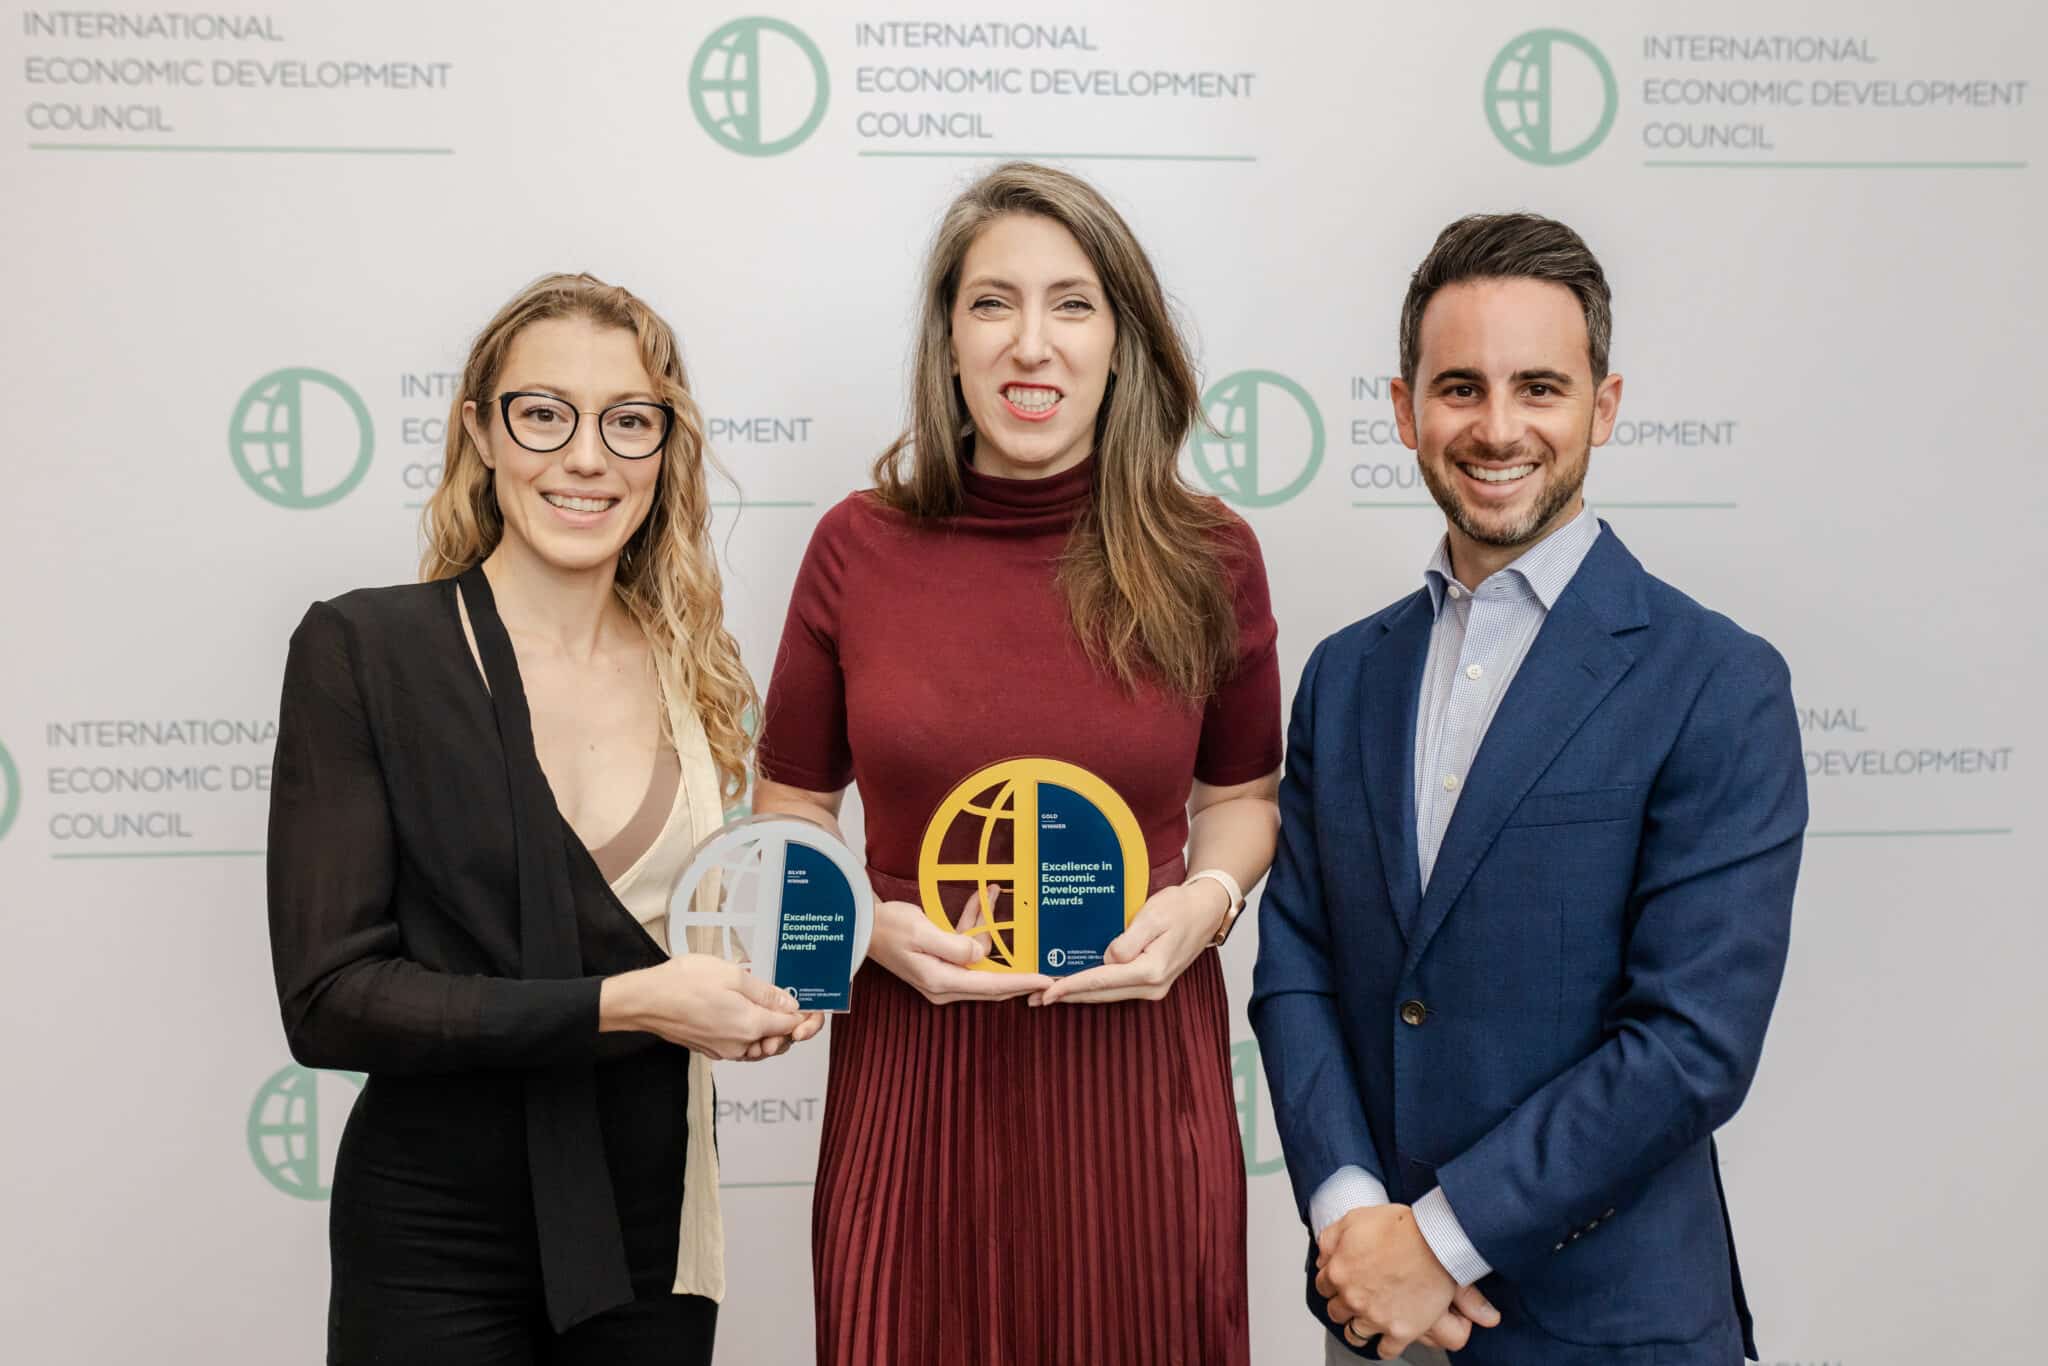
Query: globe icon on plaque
point(1543, 83)
point(722, 903)
point(286, 1123)
point(747, 78)
point(985, 822)
point(301, 438)
point(1267, 441)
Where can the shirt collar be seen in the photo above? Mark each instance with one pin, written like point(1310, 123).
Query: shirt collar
point(1541, 571)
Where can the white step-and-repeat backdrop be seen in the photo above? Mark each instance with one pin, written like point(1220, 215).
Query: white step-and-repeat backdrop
point(244, 251)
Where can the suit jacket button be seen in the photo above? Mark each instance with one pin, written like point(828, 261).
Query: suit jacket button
point(1558, 1248)
point(1413, 1012)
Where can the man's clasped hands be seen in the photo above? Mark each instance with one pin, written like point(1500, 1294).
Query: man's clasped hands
point(1380, 1278)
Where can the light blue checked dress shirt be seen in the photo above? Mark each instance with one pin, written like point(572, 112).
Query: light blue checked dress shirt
point(1478, 642)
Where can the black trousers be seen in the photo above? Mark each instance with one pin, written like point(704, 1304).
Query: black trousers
point(431, 1227)
point(451, 1328)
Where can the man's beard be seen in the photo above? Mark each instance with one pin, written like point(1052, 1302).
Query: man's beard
point(1523, 529)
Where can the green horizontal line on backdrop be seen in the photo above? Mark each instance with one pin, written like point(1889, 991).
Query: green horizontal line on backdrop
point(241, 151)
point(1071, 156)
point(1904, 834)
point(1843, 165)
point(159, 853)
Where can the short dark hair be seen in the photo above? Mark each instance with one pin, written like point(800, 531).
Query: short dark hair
point(1493, 246)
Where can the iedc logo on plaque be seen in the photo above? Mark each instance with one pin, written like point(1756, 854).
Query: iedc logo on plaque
point(1551, 97)
point(1270, 443)
point(301, 438)
point(10, 792)
point(294, 1125)
point(759, 87)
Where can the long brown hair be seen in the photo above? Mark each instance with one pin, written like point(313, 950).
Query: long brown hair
point(667, 575)
point(1144, 582)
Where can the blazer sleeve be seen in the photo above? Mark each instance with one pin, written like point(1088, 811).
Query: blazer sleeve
point(1295, 984)
point(1711, 911)
point(351, 998)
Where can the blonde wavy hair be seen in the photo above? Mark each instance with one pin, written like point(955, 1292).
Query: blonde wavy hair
point(1145, 584)
point(667, 575)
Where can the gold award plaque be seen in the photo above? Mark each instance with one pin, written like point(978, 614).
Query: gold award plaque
point(1054, 860)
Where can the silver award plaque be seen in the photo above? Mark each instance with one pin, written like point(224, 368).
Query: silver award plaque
point(786, 898)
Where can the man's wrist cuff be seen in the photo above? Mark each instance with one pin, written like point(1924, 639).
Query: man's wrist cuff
point(1344, 1190)
point(1446, 1238)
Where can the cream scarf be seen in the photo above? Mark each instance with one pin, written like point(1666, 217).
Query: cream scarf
point(645, 889)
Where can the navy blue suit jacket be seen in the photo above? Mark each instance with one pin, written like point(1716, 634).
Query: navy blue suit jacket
point(1595, 960)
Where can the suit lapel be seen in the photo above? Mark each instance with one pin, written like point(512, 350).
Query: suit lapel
point(1572, 665)
point(1390, 685)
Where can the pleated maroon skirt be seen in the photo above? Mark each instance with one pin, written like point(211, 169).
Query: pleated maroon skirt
point(1005, 1186)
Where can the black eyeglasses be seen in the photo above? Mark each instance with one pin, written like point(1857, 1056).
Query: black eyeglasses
point(544, 423)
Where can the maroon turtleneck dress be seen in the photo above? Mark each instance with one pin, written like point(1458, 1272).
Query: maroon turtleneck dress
point(997, 1184)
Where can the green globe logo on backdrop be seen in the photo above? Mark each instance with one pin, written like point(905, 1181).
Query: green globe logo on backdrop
point(748, 80)
point(10, 792)
point(285, 1128)
point(301, 438)
point(1540, 92)
point(1245, 1074)
point(1268, 450)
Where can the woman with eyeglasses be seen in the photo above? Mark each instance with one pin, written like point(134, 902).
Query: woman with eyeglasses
point(485, 789)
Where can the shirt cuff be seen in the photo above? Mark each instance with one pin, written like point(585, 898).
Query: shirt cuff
point(1342, 1191)
point(1446, 1238)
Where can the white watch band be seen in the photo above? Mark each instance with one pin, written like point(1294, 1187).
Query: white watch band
point(1230, 889)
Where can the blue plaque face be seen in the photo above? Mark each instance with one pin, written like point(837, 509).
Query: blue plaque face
point(814, 937)
point(1080, 881)
point(782, 896)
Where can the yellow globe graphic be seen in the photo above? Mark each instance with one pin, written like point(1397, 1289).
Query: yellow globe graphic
point(981, 850)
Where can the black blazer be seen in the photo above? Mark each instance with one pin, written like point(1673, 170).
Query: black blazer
point(430, 909)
